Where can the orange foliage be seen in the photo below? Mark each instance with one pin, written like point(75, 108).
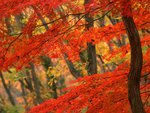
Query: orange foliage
point(100, 93)
point(103, 93)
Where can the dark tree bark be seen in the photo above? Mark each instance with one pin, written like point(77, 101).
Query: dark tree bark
point(29, 85)
point(28, 82)
point(47, 63)
point(71, 67)
point(91, 51)
point(123, 40)
point(7, 90)
point(36, 84)
point(10, 28)
point(110, 66)
point(83, 56)
point(119, 42)
point(101, 63)
point(40, 17)
point(54, 88)
point(23, 93)
point(20, 25)
point(135, 65)
point(2, 104)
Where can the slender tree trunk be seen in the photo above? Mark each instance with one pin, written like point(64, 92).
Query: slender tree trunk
point(2, 104)
point(47, 63)
point(54, 88)
point(47, 60)
point(10, 29)
point(23, 93)
point(20, 25)
point(123, 40)
point(71, 67)
point(110, 66)
point(83, 57)
point(40, 17)
point(7, 90)
point(101, 63)
point(36, 84)
point(92, 63)
point(119, 43)
point(28, 82)
point(135, 65)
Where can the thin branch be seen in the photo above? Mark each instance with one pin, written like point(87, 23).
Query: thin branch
point(145, 75)
point(59, 19)
point(145, 92)
point(11, 44)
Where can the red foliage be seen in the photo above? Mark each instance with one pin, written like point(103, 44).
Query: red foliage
point(18, 51)
point(103, 93)
point(99, 93)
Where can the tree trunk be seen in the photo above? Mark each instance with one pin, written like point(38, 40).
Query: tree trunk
point(7, 90)
point(40, 17)
point(47, 63)
point(28, 81)
point(119, 43)
point(10, 29)
point(2, 104)
point(20, 25)
point(135, 66)
point(71, 67)
point(23, 93)
point(54, 88)
point(91, 51)
point(101, 63)
point(36, 84)
point(28, 84)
